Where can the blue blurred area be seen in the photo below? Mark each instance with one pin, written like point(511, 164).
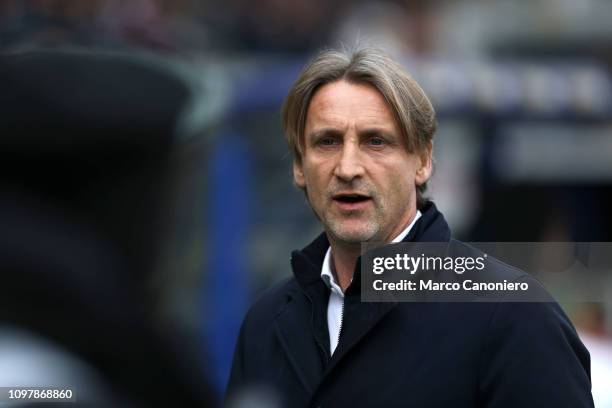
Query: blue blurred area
point(225, 292)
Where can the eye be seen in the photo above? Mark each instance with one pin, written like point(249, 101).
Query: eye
point(377, 141)
point(327, 141)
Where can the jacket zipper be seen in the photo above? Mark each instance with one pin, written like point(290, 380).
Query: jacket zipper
point(341, 323)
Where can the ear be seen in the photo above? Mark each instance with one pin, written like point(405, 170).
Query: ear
point(426, 165)
point(298, 175)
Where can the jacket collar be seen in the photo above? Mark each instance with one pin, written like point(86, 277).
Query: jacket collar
point(310, 359)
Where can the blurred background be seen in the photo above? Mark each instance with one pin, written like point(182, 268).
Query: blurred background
point(190, 188)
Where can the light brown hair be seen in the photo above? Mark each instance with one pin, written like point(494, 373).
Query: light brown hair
point(413, 112)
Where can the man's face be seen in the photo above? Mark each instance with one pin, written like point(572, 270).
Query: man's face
point(359, 177)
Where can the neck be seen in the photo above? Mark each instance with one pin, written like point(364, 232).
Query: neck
point(344, 254)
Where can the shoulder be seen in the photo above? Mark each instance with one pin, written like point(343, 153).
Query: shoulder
point(535, 338)
point(530, 322)
point(544, 319)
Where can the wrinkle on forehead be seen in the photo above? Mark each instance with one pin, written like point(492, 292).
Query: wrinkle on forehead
point(347, 106)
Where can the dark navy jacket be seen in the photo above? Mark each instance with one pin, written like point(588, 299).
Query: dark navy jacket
point(470, 354)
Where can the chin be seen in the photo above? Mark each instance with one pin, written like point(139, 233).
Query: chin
point(354, 236)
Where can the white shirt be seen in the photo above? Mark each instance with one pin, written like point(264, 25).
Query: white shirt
point(336, 298)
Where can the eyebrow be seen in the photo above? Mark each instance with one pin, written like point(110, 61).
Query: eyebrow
point(337, 133)
point(377, 132)
point(324, 132)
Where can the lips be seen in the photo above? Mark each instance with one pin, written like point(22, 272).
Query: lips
point(351, 201)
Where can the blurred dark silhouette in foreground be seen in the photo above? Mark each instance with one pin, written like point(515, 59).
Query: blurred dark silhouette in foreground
point(84, 148)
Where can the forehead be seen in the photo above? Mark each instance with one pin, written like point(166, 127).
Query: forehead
point(344, 104)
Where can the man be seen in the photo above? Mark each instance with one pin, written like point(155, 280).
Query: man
point(361, 132)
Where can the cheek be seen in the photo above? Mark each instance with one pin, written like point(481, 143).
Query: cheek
point(399, 176)
point(314, 183)
point(399, 185)
point(316, 174)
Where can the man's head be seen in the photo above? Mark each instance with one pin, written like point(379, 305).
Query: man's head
point(361, 131)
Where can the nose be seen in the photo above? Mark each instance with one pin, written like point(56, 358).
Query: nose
point(350, 165)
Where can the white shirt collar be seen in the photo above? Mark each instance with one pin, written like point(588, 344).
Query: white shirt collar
point(328, 276)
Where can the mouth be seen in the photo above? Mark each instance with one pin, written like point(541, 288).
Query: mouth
point(351, 201)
